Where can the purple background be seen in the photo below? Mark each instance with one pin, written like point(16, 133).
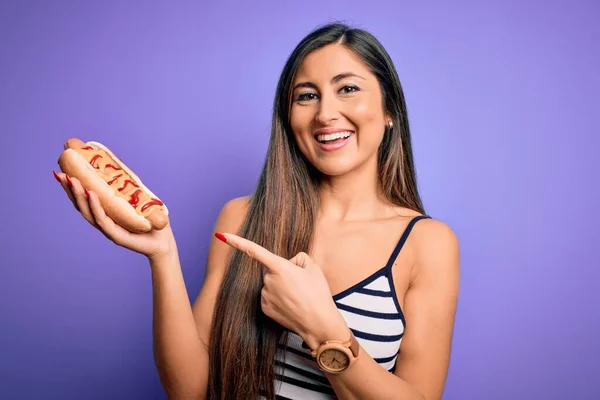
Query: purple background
point(501, 98)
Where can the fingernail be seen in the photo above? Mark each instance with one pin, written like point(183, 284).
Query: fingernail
point(69, 180)
point(87, 193)
point(221, 237)
point(56, 175)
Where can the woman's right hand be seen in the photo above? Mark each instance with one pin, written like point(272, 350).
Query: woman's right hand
point(154, 244)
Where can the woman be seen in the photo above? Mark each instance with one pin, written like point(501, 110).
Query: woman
point(333, 245)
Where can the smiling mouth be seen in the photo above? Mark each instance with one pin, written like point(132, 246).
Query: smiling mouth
point(331, 138)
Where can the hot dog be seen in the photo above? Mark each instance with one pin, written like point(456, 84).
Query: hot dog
point(122, 194)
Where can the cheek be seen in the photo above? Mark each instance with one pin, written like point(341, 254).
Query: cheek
point(295, 120)
point(365, 112)
point(301, 123)
point(362, 111)
point(295, 125)
point(368, 118)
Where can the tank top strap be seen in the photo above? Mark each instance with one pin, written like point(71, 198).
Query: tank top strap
point(403, 238)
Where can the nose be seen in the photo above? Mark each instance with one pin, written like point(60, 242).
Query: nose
point(328, 110)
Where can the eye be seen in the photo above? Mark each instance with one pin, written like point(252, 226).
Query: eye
point(306, 96)
point(349, 89)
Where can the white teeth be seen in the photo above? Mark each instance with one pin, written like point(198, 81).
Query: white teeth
point(333, 136)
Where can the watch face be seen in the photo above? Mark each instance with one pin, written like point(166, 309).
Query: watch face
point(334, 360)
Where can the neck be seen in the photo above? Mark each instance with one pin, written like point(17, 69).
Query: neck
point(353, 196)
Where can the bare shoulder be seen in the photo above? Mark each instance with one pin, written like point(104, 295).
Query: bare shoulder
point(436, 244)
point(230, 219)
point(233, 213)
point(236, 207)
point(431, 238)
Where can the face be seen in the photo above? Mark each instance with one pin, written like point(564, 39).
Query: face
point(337, 114)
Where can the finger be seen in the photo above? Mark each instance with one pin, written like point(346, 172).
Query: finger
point(301, 259)
point(264, 303)
point(82, 201)
point(253, 250)
point(267, 281)
point(106, 225)
point(66, 184)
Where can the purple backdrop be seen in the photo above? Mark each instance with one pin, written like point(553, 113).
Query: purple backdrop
point(501, 99)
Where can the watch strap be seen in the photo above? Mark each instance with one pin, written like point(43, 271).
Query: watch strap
point(353, 345)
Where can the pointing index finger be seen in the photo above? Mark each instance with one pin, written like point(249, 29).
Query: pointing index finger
point(253, 250)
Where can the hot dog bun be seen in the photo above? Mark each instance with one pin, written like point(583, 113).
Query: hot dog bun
point(125, 199)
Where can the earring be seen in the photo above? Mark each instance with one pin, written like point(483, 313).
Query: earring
point(390, 124)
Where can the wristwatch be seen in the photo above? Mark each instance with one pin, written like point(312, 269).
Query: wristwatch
point(335, 356)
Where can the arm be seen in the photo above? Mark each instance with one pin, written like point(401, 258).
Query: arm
point(430, 306)
point(181, 331)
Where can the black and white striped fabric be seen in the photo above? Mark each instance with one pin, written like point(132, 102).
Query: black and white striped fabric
point(372, 312)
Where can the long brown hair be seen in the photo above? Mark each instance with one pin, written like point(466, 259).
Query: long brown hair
point(281, 216)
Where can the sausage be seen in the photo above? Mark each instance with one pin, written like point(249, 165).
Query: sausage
point(125, 199)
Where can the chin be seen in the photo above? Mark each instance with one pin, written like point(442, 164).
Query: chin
point(335, 168)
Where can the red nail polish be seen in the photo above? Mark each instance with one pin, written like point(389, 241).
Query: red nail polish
point(87, 193)
point(69, 180)
point(221, 237)
point(56, 176)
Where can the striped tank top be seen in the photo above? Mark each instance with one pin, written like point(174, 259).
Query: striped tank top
point(373, 313)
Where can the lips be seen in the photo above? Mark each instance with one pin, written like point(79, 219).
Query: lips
point(332, 139)
point(330, 131)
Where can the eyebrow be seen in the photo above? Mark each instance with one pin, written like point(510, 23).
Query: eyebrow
point(335, 79)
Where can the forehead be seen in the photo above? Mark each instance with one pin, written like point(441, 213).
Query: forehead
point(329, 61)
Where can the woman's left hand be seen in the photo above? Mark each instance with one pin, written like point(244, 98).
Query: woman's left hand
point(295, 294)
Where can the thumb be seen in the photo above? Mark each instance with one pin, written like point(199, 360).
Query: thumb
point(302, 260)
